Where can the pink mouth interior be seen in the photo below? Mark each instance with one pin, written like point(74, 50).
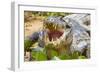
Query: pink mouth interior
point(54, 34)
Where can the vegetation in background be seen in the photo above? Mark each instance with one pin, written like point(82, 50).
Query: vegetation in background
point(30, 15)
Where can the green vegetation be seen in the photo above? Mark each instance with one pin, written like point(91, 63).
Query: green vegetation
point(64, 57)
point(48, 14)
point(50, 52)
point(38, 56)
point(27, 45)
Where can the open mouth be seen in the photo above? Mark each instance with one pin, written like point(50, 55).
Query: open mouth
point(54, 34)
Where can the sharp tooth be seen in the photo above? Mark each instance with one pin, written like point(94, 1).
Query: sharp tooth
point(55, 27)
